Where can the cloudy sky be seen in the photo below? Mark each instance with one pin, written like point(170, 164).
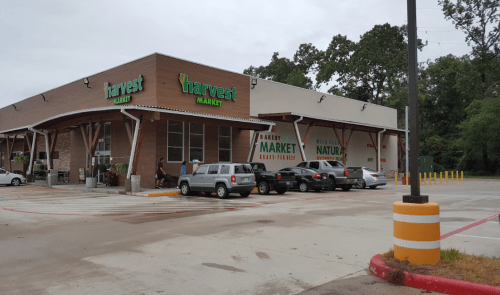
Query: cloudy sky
point(46, 44)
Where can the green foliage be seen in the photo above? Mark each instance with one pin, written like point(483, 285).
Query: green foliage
point(21, 159)
point(37, 168)
point(122, 168)
point(450, 254)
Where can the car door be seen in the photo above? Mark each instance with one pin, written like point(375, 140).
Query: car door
point(3, 177)
point(211, 177)
point(198, 178)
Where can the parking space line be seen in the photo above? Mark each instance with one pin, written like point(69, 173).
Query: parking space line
point(479, 237)
point(468, 227)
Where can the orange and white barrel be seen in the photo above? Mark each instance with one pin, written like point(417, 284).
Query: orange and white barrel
point(416, 232)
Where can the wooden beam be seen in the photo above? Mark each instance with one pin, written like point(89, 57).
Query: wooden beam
point(348, 143)
point(94, 141)
point(308, 133)
point(85, 139)
point(253, 145)
point(27, 138)
point(52, 139)
point(129, 132)
point(344, 158)
point(338, 137)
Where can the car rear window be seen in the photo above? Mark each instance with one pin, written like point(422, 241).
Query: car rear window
point(241, 169)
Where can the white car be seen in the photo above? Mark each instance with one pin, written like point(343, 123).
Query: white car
point(372, 179)
point(11, 178)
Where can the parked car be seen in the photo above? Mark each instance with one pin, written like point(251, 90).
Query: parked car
point(268, 181)
point(372, 179)
point(9, 178)
point(308, 178)
point(222, 178)
point(339, 175)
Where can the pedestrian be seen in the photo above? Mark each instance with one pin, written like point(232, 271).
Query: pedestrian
point(183, 168)
point(160, 174)
point(196, 164)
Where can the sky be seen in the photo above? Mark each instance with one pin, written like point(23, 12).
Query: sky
point(47, 44)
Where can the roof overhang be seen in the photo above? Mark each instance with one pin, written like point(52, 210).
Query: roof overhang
point(332, 123)
point(241, 123)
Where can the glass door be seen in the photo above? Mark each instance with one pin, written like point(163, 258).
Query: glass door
point(102, 161)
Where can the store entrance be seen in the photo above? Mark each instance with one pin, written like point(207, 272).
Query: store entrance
point(101, 162)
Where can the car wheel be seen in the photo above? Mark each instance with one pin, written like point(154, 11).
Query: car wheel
point(373, 186)
point(303, 187)
point(263, 188)
point(222, 191)
point(331, 184)
point(361, 185)
point(346, 187)
point(245, 194)
point(16, 182)
point(281, 190)
point(185, 190)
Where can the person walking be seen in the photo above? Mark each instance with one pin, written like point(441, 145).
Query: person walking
point(160, 174)
point(183, 168)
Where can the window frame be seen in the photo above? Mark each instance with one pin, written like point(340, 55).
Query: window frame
point(230, 144)
point(203, 141)
point(168, 135)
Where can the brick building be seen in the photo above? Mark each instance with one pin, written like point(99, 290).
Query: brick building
point(160, 106)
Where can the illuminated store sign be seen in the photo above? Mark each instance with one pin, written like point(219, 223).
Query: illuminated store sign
point(124, 88)
point(204, 89)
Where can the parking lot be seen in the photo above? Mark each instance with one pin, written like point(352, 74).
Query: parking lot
point(56, 241)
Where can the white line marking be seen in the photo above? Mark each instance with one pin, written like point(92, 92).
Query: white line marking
point(479, 237)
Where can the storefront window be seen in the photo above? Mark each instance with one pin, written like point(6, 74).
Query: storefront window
point(225, 144)
point(175, 151)
point(196, 141)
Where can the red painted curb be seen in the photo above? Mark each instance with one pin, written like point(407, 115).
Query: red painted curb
point(433, 283)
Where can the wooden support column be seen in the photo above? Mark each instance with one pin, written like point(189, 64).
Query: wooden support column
point(52, 140)
point(129, 132)
point(91, 144)
point(375, 146)
point(253, 145)
point(308, 134)
point(9, 150)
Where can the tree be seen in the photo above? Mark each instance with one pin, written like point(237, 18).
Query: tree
point(480, 21)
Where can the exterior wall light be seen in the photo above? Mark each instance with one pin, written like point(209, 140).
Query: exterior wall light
point(321, 98)
point(15, 107)
point(86, 82)
point(364, 107)
point(43, 97)
point(254, 82)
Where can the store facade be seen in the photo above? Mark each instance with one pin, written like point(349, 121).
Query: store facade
point(160, 106)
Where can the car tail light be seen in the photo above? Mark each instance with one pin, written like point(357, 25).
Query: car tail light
point(317, 175)
point(346, 172)
point(374, 175)
point(233, 178)
point(279, 176)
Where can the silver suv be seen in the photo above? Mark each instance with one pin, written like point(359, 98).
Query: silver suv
point(222, 178)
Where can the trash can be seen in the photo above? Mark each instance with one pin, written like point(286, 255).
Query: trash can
point(52, 177)
point(91, 182)
point(404, 180)
point(135, 183)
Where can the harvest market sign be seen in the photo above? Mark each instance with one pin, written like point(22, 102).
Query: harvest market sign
point(204, 89)
point(124, 88)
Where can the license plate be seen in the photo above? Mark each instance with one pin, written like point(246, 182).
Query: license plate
point(324, 177)
point(246, 179)
point(288, 183)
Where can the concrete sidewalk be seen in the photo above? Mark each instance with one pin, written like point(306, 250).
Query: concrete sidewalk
point(103, 189)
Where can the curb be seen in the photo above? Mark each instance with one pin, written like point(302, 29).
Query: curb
point(164, 194)
point(433, 283)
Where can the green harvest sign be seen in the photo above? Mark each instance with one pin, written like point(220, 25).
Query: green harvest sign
point(204, 89)
point(124, 88)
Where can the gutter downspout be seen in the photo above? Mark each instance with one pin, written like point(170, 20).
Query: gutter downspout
point(134, 143)
point(299, 139)
point(47, 151)
point(32, 152)
point(378, 149)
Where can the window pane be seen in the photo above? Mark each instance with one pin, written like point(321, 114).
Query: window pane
point(224, 169)
point(240, 169)
point(196, 140)
point(224, 131)
point(107, 144)
point(196, 128)
point(202, 170)
point(174, 154)
point(224, 142)
point(224, 155)
point(107, 129)
point(213, 169)
point(195, 153)
point(175, 126)
point(175, 139)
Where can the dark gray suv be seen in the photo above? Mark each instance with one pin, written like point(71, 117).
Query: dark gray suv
point(222, 178)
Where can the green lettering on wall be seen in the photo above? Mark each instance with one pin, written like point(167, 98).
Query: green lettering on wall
point(122, 88)
point(263, 147)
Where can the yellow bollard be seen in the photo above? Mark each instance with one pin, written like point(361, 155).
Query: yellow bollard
point(441, 177)
point(462, 176)
point(407, 178)
point(416, 232)
point(435, 176)
point(396, 178)
point(456, 175)
point(425, 178)
point(420, 178)
point(446, 176)
point(452, 176)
